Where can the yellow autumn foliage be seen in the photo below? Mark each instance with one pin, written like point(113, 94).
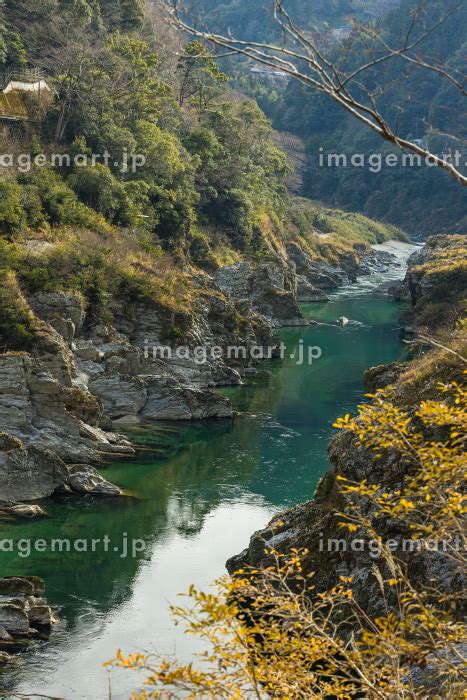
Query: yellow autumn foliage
point(271, 633)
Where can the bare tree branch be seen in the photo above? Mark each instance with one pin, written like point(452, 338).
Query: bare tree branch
point(324, 75)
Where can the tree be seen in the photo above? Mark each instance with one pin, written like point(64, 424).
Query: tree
point(132, 14)
point(82, 10)
point(352, 78)
point(198, 73)
point(98, 188)
point(12, 51)
point(11, 209)
point(99, 76)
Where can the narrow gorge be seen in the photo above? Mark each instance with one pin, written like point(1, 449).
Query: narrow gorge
point(194, 493)
point(233, 275)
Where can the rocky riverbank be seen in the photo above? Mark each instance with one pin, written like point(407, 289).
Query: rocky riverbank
point(62, 401)
point(435, 283)
point(63, 431)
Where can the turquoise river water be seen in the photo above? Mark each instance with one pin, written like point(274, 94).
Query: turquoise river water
point(195, 507)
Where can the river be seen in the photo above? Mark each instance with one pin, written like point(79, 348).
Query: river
point(198, 505)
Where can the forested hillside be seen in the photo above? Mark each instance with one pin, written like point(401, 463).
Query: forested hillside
point(255, 21)
point(113, 92)
point(420, 105)
point(425, 106)
point(210, 181)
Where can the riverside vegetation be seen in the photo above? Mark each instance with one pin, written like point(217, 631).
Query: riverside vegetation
point(200, 245)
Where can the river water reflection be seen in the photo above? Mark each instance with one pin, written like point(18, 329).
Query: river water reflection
point(198, 506)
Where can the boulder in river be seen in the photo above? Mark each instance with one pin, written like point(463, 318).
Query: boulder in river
point(84, 479)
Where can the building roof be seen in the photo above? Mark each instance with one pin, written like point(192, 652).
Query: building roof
point(36, 86)
point(12, 106)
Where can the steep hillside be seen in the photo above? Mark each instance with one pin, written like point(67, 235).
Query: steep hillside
point(418, 104)
point(256, 21)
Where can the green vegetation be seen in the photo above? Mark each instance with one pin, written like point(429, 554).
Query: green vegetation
point(331, 235)
point(444, 281)
point(18, 325)
point(418, 105)
point(256, 21)
point(208, 187)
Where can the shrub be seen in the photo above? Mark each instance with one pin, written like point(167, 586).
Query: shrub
point(58, 201)
point(99, 189)
point(12, 215)
point(46, 198)
point(32, 205)
point(82, 405)
point(18, 325)
point(173, 215)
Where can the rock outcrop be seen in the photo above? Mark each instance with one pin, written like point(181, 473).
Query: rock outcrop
point(324, 277)
point(36, 413)
point(58, 400)
point(27, 474)
point(157, 397)
point(38, 410)
point(376, 261)
point(307, 293)
point(33, 473)
point(317, 273)
point(314, 526)
point(25, 614)
point(434, 286)
point(64, 312)
point(270, 287)
point(382, 376)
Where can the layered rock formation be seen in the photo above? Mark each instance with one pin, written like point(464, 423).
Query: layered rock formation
point(25, 614)
point(434, 285)
point(59, 400)
point(41, 420)
point(314, 526)
point(270, 287)
point(275, 288)
point(319, 274)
